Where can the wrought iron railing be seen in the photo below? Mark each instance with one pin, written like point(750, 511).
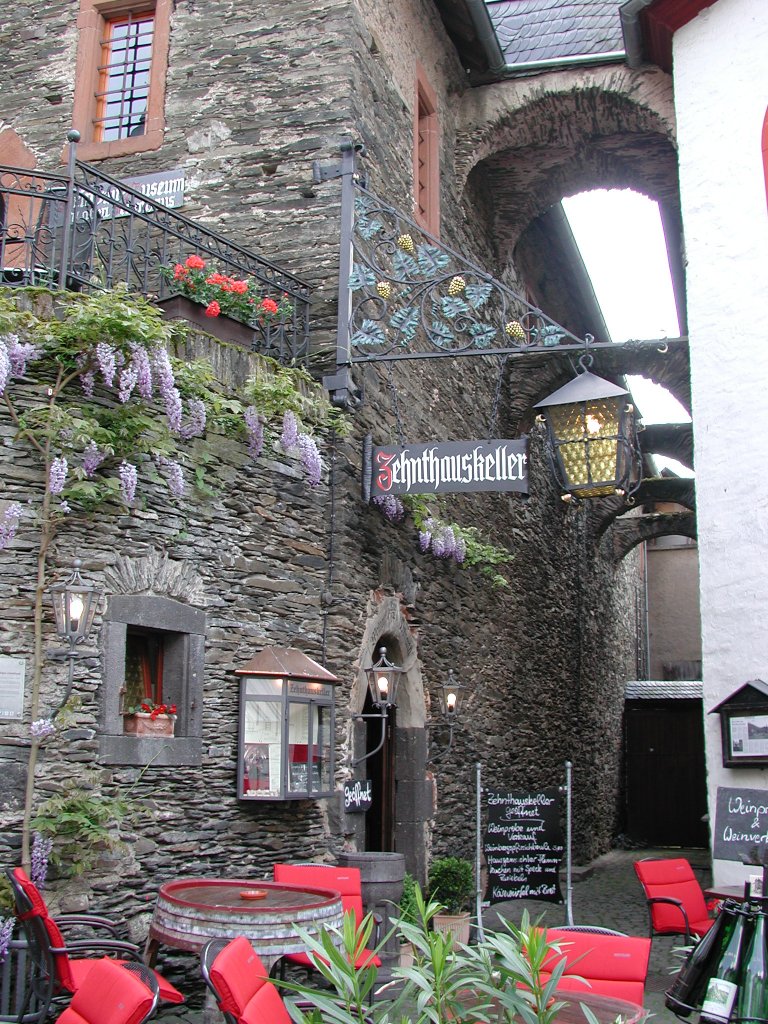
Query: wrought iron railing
point(86, 231)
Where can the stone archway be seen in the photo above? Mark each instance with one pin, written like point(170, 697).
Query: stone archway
point(387, 625)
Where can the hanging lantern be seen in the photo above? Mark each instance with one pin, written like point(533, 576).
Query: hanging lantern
point(451, 694)
point(592, 437)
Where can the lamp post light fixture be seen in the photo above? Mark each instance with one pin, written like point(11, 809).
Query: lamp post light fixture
point(74, 604)
point(592, 437)
point(451, 696)
point(383, 679)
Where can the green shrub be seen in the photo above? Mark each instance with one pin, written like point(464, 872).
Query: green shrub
point(451, 882)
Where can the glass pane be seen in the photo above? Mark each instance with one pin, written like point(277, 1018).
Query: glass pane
point(298, 747)
point(322, 766)
point(261, 747)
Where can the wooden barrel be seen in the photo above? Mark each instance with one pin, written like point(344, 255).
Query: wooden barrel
point(191, 911)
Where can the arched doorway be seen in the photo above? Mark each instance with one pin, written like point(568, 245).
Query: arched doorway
point(402, 799)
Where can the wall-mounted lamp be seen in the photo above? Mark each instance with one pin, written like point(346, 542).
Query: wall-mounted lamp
point(74, 604)
point(383, 679)
point(592, 437)
point(451, 697)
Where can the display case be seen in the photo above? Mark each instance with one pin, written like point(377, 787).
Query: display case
point(286, 748)
point(744, 726)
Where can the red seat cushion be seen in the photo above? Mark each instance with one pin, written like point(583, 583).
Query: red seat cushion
point(80, 969)
point(31, 891)
point(265, 1007)
point(345, 881)
point(365, 958)
point(611, 965)
point(111, 996)
point(237, 974)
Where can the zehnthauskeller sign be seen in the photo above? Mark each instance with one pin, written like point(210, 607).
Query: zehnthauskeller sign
point(440, 467)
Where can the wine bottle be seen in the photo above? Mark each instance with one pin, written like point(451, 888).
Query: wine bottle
point(723, 986)
point(691, 982)
point(753, 994)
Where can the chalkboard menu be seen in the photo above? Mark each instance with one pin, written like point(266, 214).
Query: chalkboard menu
point(741, 825)
point(524, 846)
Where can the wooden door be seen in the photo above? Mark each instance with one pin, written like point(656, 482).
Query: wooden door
point(665, 775)
point(380, 818)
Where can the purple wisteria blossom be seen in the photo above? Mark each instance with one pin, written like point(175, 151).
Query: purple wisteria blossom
point(174, 475)
point(57, 476)
point(106, 357)
point(92, 458)
point(289, 438)
point(5, 368)
point(42, 728)
point(195, 425)
point(254, 424)
point(6, 933)
point(141, 364)
point(391, 507)
point(425, 533)
point(310, 459)
point(173, 409)
point(127, 382)
point(88, 382)
point(166, 383)
point(9, 523)
point(460, 550)
point(41, 851)
point(444, 543)
point(64, 507)
point(20, 353)
point(128, 480)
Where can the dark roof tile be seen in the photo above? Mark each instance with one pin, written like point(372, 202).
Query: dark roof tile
point(532, 30)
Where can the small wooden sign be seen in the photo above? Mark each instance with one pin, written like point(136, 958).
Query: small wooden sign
point(358, 796)
point(741, 825)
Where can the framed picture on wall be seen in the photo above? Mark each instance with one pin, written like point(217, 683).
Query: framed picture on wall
point(744, 726)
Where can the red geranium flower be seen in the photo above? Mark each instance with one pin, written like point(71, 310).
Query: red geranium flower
point(212, 309)
point(269, 305)
point(195, 262)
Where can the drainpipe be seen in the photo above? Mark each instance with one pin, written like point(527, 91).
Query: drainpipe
point(629, 15)
point(486, 33)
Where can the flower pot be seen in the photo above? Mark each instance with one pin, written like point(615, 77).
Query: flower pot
point(140, 723)
point(456, 924)
point(179, 307)
point(406, 955)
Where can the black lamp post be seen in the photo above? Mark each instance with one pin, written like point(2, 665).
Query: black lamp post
point(383, 679)
point(592, 437)
point(74, 604)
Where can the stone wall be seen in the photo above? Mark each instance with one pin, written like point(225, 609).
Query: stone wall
point(251, 103)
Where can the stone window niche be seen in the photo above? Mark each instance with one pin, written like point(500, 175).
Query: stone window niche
point(169, 638)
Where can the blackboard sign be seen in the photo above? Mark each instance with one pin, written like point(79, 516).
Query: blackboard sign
point(741, 825)
point(524, 846)
point(358, 796)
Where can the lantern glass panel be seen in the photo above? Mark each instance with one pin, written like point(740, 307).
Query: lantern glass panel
point(262, 747)
point(587, 437)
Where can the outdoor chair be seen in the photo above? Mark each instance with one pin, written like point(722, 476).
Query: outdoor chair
point(113, 993)
point(676, 904)
point(239, 981)
point(347, 882)
point(601, 961)
point(62, 965)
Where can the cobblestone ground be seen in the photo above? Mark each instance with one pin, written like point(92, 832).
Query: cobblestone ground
point(605, 893)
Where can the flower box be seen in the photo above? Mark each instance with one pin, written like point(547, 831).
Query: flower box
point(179, 307)
point(141, 723)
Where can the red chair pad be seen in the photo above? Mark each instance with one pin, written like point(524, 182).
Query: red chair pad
point(265, 1007)
point(80, 969)
point(613, 965)
point(237, 974)
point(673, 879)
point(31, 891)
point(112, 996)
point(345, 881)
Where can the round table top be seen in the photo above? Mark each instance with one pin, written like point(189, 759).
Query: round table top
point(190, 911)
point(607, 1009)
point(244, 896)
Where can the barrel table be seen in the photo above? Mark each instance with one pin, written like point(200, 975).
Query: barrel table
point(190, 911)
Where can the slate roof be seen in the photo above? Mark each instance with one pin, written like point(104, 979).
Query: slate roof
point(654, 689)
point(533, 30)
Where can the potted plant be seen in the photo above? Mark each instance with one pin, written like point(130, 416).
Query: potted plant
point(216, 296)
point(150, 719)
point(452, 884)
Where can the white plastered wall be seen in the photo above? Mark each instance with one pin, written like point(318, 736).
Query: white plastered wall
point(721, 95)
